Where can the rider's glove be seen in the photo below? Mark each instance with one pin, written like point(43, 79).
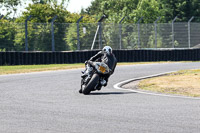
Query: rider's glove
point(86, 62)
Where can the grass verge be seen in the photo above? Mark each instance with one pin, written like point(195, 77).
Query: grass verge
point(51, 67)
point(37, 68)
point(185, 82)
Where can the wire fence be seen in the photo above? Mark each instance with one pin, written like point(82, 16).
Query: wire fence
point(75, 36)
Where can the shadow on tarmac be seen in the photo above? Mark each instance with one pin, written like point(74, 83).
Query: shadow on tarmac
point(110, 93)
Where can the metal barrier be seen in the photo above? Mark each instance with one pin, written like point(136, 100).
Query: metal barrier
point(30, 58)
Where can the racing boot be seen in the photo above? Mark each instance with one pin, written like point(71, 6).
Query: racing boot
point(103, 83)
point(80, 91)
point(98, 87)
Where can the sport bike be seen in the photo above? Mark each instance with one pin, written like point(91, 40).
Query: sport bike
point(92, 78)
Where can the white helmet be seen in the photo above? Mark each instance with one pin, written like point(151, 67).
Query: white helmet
point(107, 49)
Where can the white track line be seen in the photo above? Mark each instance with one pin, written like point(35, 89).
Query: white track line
point(118, 86)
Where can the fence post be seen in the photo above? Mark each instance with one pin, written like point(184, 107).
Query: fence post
point(78, 39)
point(92, 47)
point(139, 31)
point(156, 31)
point(173, 31)
point(52, 34)
point(100, 35)
point(1, 17)
point(120, 33)
point(98, 30)
point(189, 44)
point(26, 33)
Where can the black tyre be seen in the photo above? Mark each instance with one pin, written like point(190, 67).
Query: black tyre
point(90, 86)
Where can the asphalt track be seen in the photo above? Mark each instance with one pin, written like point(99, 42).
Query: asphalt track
point(49, 102)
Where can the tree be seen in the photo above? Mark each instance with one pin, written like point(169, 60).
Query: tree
point(94, 9)
point(7, 35)
point(40, 27)
point(10, 5)
point(63, 3)
point(115, 10)
point(184, 9)
point(89, 23)
point(148, 9)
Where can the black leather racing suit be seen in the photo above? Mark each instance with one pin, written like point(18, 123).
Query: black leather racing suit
point(108, 59)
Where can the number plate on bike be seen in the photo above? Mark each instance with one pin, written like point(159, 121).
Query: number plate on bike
point(102, 69)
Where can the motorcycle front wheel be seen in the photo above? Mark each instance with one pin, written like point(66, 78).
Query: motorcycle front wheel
point(91, 85)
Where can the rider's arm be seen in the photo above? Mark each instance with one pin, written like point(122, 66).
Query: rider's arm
point(97, 56)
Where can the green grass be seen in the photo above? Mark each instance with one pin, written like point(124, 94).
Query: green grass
point(52, 67)
point(37, 68)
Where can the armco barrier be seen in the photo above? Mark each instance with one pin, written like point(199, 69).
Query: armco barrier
point(29, 58)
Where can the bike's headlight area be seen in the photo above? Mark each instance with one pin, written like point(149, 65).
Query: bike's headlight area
point(102, 69)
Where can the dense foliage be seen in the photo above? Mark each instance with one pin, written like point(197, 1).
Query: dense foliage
point(12, 30)
point(149, 9)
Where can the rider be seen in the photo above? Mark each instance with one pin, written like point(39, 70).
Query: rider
point(108, 58)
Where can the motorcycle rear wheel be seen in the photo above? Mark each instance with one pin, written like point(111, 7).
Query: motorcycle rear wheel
point(91, 85)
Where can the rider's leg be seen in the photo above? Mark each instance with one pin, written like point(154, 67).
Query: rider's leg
point(106, 77)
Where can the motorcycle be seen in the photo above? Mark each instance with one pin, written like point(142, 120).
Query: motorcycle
point(92, 78)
